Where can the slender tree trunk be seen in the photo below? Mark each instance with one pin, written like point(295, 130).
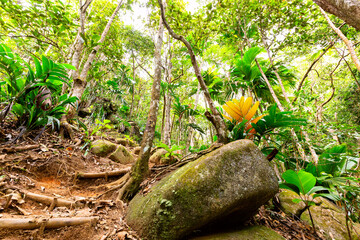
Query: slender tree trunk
point(267, 48)
point(307, 139)
point(293, 134)
point(188, 141)
point(80, 82)
point(133, 91)
point(347, 42)
point(78, 42)
point(167, 102)
point(141, 167)
point(215, 116)
point(310, 68)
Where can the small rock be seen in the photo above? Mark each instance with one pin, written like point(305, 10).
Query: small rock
point(287, 205)
point(122, 156)
point(103, 148)
point(156, 157)
point(136, 150)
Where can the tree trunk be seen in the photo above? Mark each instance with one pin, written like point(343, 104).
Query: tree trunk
point(215, 116)
point(307, 139)
point(167, 103)
point(188, 141)
point(347, 10)
point(347, 42)
point(141, 167)
point(133, 91)
point(80, 81)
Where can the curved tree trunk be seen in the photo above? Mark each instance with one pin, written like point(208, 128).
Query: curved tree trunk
point(141, 167)
point(348, 43)
point(347, 10)
point(215, 116)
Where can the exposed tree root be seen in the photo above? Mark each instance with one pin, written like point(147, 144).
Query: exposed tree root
point(20, 148)
point(65, 126)
point(103, 174)
point(115, 185)
point(32, 223)
point(52, 201)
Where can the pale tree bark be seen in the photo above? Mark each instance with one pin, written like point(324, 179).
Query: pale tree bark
point(190, 132)
point(307, 139)
point(347, 10)
point(78, 42)
point(80, 82)
point(347, 42)
point(214, 117)
point(167, 102)
point(133, 87)
point(277, 101)
point(267, 48)
point(141, 167)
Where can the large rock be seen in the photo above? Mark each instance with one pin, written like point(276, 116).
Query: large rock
point(248, 233)
point(235, 180)
point(330, 221)
point(103, 148)
point(121, 155)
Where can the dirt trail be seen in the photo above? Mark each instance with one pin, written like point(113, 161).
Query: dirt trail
point(38, 181)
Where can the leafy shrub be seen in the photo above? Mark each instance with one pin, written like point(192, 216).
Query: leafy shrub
point(33, 97)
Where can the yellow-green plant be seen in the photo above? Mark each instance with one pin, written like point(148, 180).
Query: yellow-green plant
point(241, 114)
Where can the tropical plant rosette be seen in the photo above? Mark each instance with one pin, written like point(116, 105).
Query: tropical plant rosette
point(242, 112)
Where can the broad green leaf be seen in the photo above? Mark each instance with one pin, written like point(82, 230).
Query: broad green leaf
point(304, 181)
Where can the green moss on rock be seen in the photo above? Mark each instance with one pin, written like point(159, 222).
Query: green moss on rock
point(122, 156)
point(330, 221)
point(103, 148)
point(235, 178)
point(287, 205)
point(248, 233)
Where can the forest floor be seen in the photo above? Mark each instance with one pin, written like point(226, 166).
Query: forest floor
point(49, 168)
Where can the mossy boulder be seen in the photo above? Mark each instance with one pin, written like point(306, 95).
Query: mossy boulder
point(125, 142)
point(158, 154)
point(330, 221)
point(248, 233)
point(231, 182)
point(121, 155)
point(287, 205)
point(103, 148)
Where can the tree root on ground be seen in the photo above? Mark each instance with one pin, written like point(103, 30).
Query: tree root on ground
point(32, 223)
point(114, 185)
point(52, 201)
point(103, 174)
point(20, 148)
point(65, 126)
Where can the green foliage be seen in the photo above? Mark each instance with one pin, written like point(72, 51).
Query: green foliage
point(275, 119)
point(34, 97)
point(171, 151)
